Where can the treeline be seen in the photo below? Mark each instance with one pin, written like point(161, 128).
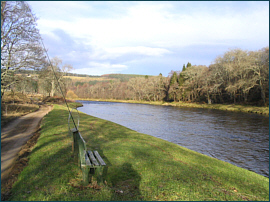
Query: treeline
point(138, 88)
point(103, 78)
point(236, 77)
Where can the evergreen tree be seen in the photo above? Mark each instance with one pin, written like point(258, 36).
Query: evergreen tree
point(181, 76)
point(173, 87)
point(188, 64)
point(173, 78)
point(184, 68)
point(181, 79)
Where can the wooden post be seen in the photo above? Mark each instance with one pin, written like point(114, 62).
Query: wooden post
point(75, 145)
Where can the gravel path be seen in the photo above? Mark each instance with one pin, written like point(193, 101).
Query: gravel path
point(15, 134)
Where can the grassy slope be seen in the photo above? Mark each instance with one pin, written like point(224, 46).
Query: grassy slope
point(141, 167)
point(226, 107)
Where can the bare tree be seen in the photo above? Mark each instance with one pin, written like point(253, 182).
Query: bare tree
point(52, 76)
point(259, 71)
point(20, 47)
point(238, 72)
point(194, 77)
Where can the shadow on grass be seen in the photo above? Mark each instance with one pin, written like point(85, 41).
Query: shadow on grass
point(47, 143)
point(126, 182)
point(55, 176)
point(42, 176)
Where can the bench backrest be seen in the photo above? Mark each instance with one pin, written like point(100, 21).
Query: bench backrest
point(79, 145)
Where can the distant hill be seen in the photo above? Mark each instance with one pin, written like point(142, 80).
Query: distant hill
point(81, 75)
point(75, 76)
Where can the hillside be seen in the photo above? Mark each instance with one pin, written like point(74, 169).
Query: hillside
point(81, 79)
point(84, 77)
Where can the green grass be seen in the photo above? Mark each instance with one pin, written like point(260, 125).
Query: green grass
point(141, 167)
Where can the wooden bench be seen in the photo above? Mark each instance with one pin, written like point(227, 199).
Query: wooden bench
point(90, 162)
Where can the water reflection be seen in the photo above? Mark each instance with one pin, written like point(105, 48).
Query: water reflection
point(239, 138)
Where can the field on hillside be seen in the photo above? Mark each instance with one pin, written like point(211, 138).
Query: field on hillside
point(106, 77)
point(87, 79)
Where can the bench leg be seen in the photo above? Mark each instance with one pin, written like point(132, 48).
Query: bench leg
point(100, 171)
point(91, 174)
point(85, 173)
point(97, 172)
point(88, 172)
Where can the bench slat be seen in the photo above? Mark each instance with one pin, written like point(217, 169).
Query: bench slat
point(99, 158)
point(87, 160)
point(94, 161)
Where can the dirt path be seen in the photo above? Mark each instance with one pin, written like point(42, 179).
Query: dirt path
point(15, 134)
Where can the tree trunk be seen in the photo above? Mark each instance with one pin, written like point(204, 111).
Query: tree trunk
point(262, 93)
point(245, 97)
point(209, 99)
point(53, 88)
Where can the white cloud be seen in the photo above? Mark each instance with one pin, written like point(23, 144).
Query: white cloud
point(117, 52)
point(115, 34)
point(137, 50)
point(60, 10)
point(153, 25)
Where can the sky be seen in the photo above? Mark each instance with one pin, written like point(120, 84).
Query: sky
point(148, 37)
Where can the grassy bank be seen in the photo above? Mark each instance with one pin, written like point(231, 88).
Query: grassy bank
point(141, 167)
point(226, 107)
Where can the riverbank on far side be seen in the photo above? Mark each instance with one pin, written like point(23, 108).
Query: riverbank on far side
point(225, 107)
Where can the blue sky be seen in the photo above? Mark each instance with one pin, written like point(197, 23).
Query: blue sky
point(148, 37)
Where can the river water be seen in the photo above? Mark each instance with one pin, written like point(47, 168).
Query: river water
point(238, 138)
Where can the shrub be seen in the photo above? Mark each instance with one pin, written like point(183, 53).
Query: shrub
point(71, 94)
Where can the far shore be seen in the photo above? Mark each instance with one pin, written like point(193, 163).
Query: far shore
point(225, 107)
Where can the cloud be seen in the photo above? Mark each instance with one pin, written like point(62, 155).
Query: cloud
point(128, 52)
point(78, 54)
point(60, 10)
point(157, 24)
point(140, 50)
point(125, 36)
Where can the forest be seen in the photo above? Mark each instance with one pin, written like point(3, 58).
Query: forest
point(238, 76)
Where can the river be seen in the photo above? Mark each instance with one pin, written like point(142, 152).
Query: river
point(238, 138)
